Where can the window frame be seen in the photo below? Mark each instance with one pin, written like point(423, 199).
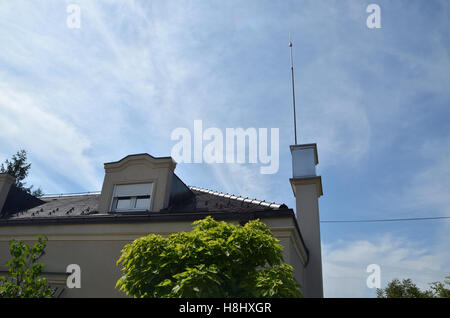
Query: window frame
point(133, 199)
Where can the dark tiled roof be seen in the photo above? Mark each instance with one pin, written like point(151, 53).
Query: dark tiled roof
point(87, 205)
point(62, 206)
point(18, 200)
point(213, 201)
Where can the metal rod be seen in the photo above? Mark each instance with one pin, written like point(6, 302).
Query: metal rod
point(293, 89)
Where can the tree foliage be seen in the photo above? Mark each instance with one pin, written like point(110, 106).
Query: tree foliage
point(407, 289)
point(18, 167)
point(215, 259)
point(24, 274)
point(439, 290)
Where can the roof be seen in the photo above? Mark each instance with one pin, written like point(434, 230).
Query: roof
point(61, 206)
point(86, 204)
point(18, 200)
point(83, 208)
point(213, 200)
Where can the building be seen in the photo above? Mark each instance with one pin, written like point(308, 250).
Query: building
point(141, 194)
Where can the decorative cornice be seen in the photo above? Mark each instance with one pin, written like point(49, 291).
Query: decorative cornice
point(160, 162)
point(307, 181)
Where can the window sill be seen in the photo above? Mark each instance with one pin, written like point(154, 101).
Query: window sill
point(128, 212)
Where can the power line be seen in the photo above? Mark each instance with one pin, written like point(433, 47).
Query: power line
point(386, 220)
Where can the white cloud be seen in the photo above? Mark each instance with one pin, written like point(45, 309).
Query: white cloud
point(159, 70)
point(249, 181)
point(344, 138)
point(424, 191)
point(345, 263)
point(46, 137)
point(429, 188)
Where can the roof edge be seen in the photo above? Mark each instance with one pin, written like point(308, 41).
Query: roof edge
point(273, 205)
point(140, 154)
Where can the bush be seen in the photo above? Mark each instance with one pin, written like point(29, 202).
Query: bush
point(215, 259)
point(24, 274)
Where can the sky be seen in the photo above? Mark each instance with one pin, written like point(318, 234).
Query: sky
point(375, 100)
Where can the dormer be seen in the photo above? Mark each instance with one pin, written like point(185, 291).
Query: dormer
point(137, 183)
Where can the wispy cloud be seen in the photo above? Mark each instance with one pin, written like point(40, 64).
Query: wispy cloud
point(428, 190)
point(51, 139)
point(136, 70)
point(345, 264)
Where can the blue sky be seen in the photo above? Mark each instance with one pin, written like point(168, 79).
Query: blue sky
point(376, 102)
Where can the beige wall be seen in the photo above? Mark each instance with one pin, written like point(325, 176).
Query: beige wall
point(307, 191)
point(96, 248)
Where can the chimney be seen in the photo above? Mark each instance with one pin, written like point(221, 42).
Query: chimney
point(307, 187)
point(6, 181)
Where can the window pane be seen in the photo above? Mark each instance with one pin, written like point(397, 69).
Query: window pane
point(143, 203)
point(123, 203)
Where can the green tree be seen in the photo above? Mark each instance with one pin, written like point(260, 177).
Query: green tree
point(18, 167)
point(407, 289)
point(439, 290)
point(24, 274)
point(215, 259)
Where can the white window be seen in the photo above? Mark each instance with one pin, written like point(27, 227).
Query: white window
point(132, 197)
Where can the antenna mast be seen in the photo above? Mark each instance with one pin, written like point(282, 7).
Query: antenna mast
point(293, 89)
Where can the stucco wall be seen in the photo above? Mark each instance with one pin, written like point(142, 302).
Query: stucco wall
point(96, 248)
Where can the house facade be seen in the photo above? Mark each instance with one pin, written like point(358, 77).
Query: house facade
point(140, 195)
